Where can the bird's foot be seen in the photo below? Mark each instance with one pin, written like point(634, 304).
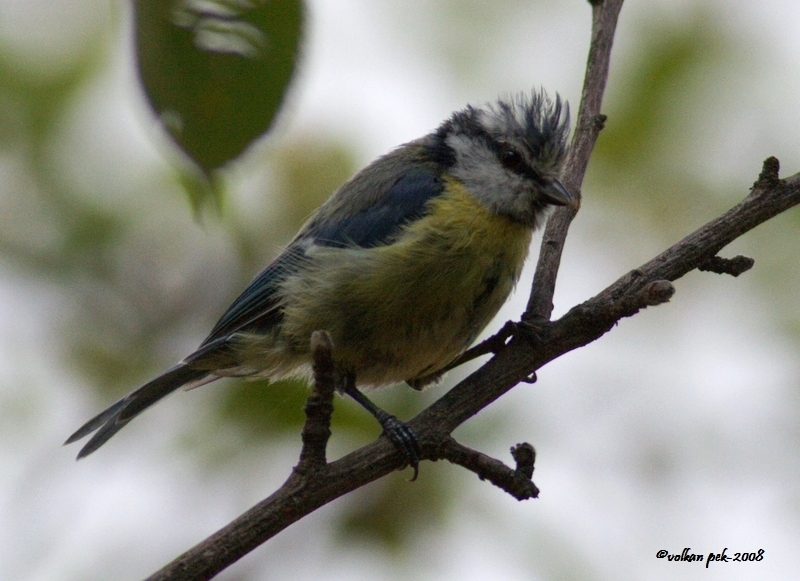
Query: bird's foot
point(403, 438)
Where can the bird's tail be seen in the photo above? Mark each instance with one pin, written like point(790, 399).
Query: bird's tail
point(113, 419)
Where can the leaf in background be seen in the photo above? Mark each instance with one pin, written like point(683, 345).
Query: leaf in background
point(216, 71)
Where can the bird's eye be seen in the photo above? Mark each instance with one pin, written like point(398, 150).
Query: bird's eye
point(511, 158)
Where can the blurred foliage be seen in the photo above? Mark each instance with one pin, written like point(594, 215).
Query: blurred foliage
point(215, 72)
point(638, 162)
point(389, 513)
point(46, 227)
point(265, 409)
point(642, 163)
point(309, 183)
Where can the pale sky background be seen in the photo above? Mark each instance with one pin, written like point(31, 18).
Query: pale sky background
point(678, 429)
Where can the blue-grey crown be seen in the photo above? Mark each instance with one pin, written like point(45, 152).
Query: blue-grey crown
point(535, 121)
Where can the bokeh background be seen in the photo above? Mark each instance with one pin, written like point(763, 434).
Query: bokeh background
point(680, 428)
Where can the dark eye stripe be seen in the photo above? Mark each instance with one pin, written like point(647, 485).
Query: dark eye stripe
point(514, 161)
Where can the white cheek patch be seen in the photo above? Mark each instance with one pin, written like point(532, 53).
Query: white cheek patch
point(478, 168)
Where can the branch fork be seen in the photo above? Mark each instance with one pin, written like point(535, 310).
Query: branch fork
point(517, 352)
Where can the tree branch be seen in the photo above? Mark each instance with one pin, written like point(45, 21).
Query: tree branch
point(308, 488)
point(319, 405)
point(733, 266)
point(587, 128)
point(516, 481)
point(518, 353)
point(642, 287)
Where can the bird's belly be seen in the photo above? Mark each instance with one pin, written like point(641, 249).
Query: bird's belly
point(405, 310)
point(388, 332)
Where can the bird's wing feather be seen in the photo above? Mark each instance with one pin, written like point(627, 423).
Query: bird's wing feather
point(376, 225)
point(258, 304)
point(258, 307)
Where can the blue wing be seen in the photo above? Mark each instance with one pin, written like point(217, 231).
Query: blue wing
point(377, 224)
point(258, 307)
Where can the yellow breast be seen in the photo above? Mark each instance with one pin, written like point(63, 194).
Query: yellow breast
point(407, 309)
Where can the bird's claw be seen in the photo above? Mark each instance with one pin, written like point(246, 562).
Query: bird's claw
point(403, 438)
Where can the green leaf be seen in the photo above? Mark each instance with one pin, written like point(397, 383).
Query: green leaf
point(216, 71)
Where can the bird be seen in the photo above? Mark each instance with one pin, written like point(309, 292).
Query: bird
point(403, 265)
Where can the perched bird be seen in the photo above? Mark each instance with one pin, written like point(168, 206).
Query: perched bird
point(404, 265)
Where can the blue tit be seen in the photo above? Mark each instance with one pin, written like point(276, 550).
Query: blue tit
point(404, 265)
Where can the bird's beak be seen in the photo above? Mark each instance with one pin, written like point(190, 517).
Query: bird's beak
point(558, 195)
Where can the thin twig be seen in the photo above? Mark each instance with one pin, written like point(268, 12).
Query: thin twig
point(319, 405)
point(515, 481)
point(732, 266)
point(587, 127)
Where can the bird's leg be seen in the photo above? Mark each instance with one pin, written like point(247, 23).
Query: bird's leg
point(397, 431)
